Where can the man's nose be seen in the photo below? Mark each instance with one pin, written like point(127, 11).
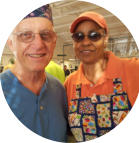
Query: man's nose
point(38, 40)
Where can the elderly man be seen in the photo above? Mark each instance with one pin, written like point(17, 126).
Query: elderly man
point(104, 88)
point(36, 98)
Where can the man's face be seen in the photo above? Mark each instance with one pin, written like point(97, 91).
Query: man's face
point(35, 54)
point(86, 50)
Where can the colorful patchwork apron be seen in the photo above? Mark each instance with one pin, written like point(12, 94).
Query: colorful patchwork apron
point(93, 117)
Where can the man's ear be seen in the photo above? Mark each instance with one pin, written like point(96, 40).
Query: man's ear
point(10, 44)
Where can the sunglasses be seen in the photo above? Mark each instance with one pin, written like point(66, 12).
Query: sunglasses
point(92, 35)
point(29, 36)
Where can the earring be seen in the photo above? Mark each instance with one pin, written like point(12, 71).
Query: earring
point(105, 43)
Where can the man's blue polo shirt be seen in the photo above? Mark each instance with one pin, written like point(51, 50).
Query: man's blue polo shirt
point(45, 114)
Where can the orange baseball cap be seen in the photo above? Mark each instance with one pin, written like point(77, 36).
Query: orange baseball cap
point(90, 15)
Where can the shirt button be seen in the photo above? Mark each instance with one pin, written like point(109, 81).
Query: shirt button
point(41, 107)
point(91, 85)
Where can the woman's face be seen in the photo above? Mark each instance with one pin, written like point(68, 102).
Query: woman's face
point(86, 50)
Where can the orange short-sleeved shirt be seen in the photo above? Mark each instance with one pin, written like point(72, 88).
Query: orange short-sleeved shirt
point(126, 69)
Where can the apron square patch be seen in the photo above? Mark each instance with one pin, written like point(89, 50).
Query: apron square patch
point(104, 118)
point(73, 106)
point(86, 107)
point(89, 125)
point(120, 102)
point(74, 119)
point(118, 116)
point(90, 137)
point(77, 132)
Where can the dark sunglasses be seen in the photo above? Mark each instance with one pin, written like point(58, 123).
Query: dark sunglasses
point(92, 35)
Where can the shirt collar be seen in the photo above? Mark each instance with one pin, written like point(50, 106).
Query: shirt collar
point(114, 66)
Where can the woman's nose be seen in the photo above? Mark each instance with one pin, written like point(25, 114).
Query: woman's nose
point(86, 41)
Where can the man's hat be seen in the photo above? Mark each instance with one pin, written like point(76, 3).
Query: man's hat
point(44, 11)
point(97, 18)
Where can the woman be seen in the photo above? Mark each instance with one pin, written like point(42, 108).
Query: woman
point(104, 88)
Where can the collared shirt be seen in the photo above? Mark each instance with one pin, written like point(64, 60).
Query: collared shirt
point(126, 69)
point(44, 114)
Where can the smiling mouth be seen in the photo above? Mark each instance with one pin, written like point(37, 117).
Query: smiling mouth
point(87, 51)
point(36, 55)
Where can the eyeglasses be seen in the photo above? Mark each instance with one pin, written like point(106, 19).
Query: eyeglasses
point(29, 36)
point(92, 35)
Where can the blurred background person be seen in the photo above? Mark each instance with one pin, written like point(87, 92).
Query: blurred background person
point(66, 70)
point(10, 65)
point(55, 70)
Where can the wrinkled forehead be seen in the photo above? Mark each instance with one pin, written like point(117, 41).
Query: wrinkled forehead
point(34, 24)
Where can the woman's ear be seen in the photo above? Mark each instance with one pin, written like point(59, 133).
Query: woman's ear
point(106, 40)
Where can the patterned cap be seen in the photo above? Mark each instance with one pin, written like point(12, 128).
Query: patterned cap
point(44, 11)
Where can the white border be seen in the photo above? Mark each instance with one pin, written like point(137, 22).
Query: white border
point(11, 12)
